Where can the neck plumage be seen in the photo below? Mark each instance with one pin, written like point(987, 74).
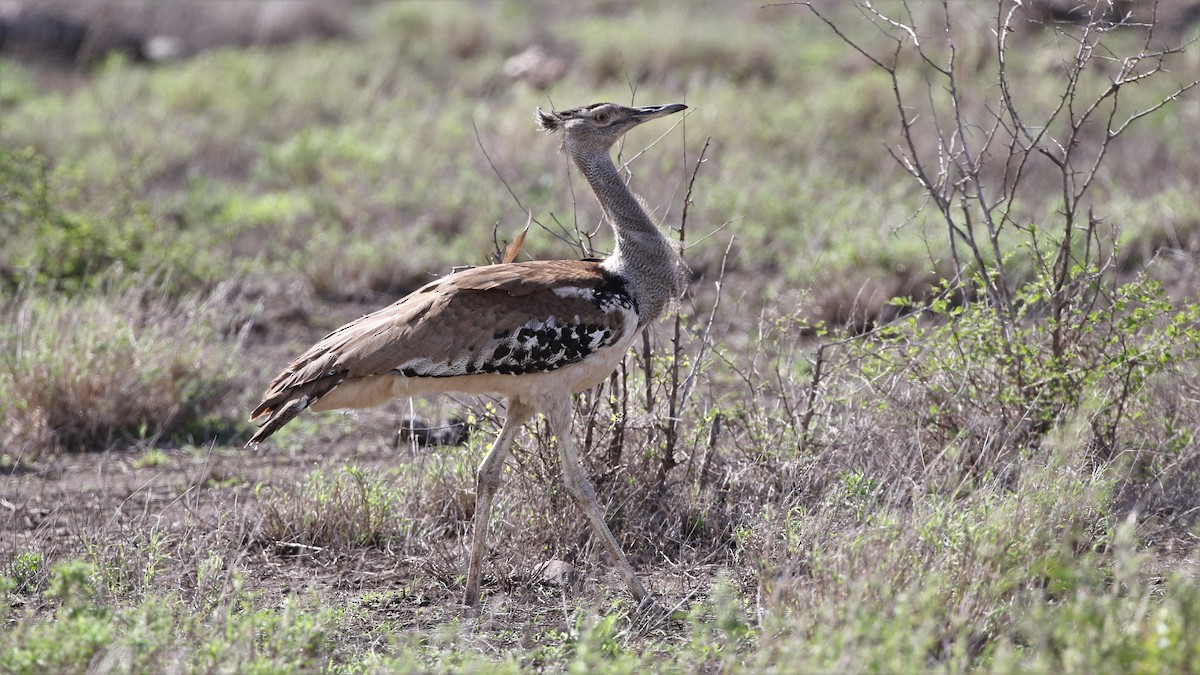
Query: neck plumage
point(643, 256)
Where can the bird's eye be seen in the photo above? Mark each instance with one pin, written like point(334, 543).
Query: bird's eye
point(602, 117)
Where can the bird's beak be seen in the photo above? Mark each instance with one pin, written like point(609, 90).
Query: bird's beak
point(649, 112)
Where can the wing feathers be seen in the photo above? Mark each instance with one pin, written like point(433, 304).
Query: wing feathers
point(498, 318)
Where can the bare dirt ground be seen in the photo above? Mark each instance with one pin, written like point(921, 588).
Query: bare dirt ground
point(207, 503)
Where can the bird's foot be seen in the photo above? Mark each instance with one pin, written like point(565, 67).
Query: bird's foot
point(648, 603)
point(649, 613)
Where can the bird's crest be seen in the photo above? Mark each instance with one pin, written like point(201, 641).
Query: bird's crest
point(548, 121)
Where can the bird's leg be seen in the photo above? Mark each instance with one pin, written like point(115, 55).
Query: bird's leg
point(558, 411)
point(487, 480)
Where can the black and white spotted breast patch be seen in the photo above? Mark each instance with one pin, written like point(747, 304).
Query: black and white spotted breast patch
point(541, 344)
point(537, 346)
point(612, 295)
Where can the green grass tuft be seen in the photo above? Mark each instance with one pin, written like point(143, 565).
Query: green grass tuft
point(346, 507)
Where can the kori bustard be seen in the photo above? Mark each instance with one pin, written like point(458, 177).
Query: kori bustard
point(532, 332)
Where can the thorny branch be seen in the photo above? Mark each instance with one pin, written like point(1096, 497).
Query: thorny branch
point(975, 157)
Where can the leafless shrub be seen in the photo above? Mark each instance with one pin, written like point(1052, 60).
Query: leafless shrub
point(1047, 327)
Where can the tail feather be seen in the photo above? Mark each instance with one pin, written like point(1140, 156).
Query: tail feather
point(282, 403)
point(278, 418)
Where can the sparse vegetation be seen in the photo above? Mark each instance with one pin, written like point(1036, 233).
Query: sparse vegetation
point(352, 507)
point(929, 412)
point(86, 373)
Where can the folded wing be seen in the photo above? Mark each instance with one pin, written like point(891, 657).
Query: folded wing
point(502, 319)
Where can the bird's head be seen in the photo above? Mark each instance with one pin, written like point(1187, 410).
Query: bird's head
point(599, 125)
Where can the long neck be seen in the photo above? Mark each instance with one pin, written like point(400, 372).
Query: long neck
point(620, 205)
point(643, 256)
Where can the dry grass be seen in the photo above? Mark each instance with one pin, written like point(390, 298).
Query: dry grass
point(348, 507)
point(85, 374)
